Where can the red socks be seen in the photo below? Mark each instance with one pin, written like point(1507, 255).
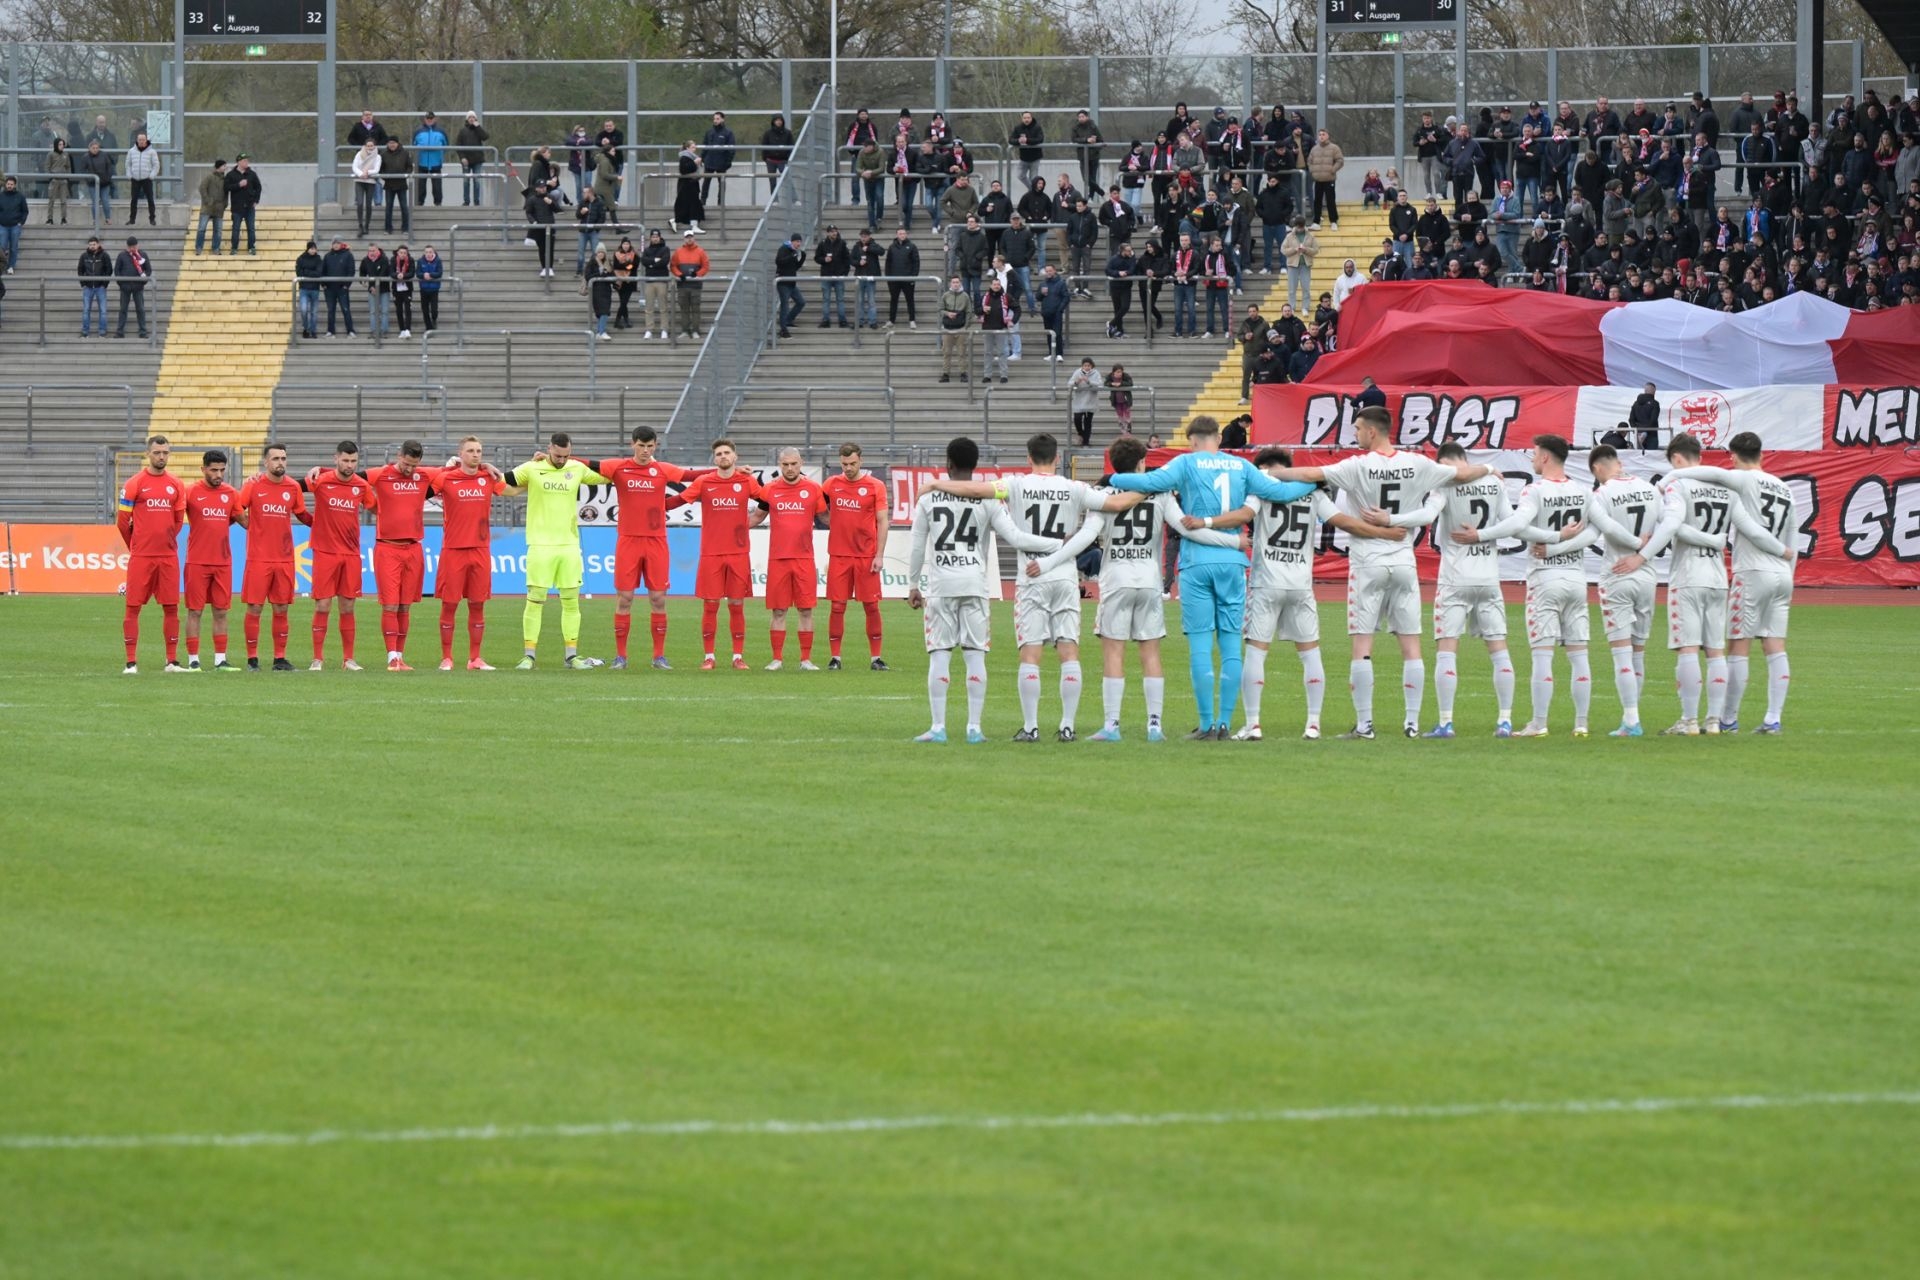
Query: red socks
point(346, 636)
point(476, 629)
point(737, 624)
point(622, 625)
point(659, 635)
point(320, 632)
point(836, 627)
point(449, 618)
point(130, 629)
point(709, 624)
point(390, 625)
point(873, 627)
point(281, 626)
point(778, 638)
point(806, 646)
point(251, 629)
point(170, 628)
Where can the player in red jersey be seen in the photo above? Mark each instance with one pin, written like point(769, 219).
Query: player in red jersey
point(399, 563)
point(339, 496)
point(640, 554)
point(792, 503)
point(212, 504)
point(467, 491)
point(151, 508)
point(857, 523)
point(269, 504)
point(726, 495)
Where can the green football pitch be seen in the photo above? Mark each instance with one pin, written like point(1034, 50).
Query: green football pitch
point(644, 974)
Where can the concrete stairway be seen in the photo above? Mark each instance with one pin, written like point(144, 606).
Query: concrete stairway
point(527, 365)
point(226, 345)
point(1358, 238)
point(52, 443)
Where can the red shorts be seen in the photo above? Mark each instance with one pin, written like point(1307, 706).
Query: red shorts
point(398, 568)
point(641, 559)
point(209, 584)
point(466, 573)
point(155, 578)
point(791, 584)
point(267, 583)
point(728, 577)
point(335, 575)
point(852, 578)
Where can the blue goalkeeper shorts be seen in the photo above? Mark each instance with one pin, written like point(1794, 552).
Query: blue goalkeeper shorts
point(1213, 597)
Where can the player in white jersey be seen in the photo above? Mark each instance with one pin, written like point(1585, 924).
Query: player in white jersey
point(952, 542)
point(1383, 589)
point(1132, 529)
point(1467, 600)
point(1281, 603)
point(1046, 608)
point(1698, 517)
point(1549, 515)
point(1768, 523)
point(1626, 510)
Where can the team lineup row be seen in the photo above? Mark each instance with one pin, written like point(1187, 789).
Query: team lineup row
point(1383, 495)
point(154, 506)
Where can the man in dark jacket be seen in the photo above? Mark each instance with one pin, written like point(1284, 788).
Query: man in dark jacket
point(1086, 135)
point(1643, 419)
point(1122, 267)
point(1017, 247)
point(243, 194)
point(1275, 206)
point(971, 255)
point(1403, 223)
point(470, 146)
point(1083, 235)
point(788, 261)
point(903, 259)
point(1302, 362)
point(395, 165)
point(337, 271)
point(716, 154)
point(1116, 215)
point(831, 255)
point(1054, 299)
point(95, 269)
point(131, 271)
point(13, 216)
point(996, 211)
point(1432, 229)
point(1462, 159)
point(307, 269)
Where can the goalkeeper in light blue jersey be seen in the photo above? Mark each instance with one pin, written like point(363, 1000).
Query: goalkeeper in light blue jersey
point(1213, 580)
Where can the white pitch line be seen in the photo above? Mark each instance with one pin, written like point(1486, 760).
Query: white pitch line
point(908, 1124)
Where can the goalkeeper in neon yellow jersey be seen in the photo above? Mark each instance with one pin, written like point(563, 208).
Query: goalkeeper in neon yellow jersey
point(552, 482)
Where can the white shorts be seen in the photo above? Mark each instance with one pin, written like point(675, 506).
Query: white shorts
point(1130, 613)
point(1046, 613)
point(1556, 613)
point(1759, 604)
point(1626, 608)
point(1474, 609)
point(1383, 598)
point(958, 622)
point(1696, 618)
point(1283, 615)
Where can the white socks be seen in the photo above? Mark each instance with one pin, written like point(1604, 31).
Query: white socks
point(1446, 682)
point(1582, 687)
point(1029, 695)
point(1113, 692)
point(1413, 685)
point(1253, 679)
point(1686, 674)
point(1542, 684)
point(1777, 678)
point(1155, 687)
point(1313, 676)
point(1639, 674)
point(1360, 682)
point(1626, 684)
point(1069, 693)
point(1503, 682)
point(1736, 687)
point(1716, 686)
point(976, 685)
point(939, 663)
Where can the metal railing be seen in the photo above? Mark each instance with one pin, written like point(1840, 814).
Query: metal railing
point(334, 181)
point(741, 322)
point(146, 282)
point(172, 168)
point(461, 341)
point(449, 285)
point(807, 389)
point(667, 390)
point(424, 392)
point(90, 391)
point(92, 198)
